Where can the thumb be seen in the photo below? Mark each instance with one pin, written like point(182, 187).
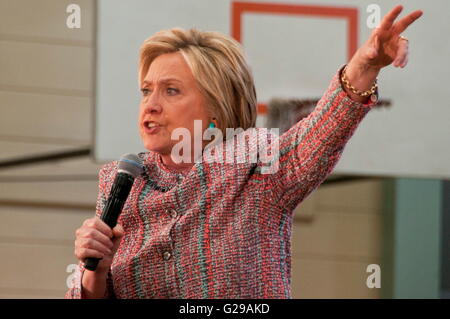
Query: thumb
point(118, 233)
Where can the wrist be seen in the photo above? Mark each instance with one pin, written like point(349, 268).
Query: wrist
point(92, 278)
point(353, 83)
point(358, 67)
point(362, 72)
point(93, 284)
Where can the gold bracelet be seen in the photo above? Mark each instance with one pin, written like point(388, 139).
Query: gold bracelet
point(347, 84)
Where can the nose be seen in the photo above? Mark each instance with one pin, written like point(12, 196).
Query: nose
point(152, 104)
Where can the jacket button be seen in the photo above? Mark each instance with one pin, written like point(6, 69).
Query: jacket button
point(174, 213)
point(166, 255)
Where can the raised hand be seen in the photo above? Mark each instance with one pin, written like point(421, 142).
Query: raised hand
point(386, 45)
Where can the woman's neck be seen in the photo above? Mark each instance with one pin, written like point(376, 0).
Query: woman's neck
point(178, 167)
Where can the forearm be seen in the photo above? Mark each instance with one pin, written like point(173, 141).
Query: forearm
point(94, 284)
point(311, 148)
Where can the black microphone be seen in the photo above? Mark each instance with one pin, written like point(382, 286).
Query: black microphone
point(130, 166)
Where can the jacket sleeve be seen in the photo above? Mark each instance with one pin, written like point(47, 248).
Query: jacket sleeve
point(311, 148)
point(75, 290)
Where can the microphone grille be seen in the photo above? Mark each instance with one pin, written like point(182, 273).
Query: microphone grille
point(132, 164)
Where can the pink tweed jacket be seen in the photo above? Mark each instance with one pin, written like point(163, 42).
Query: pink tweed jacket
point(223, 230)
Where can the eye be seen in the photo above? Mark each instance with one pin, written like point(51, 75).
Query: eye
point(145, 91)
point(172, 91)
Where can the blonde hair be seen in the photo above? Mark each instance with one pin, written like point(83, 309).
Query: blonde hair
point(217, 63)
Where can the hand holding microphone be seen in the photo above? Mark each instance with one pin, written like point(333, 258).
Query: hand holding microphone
point(98, 239)
point(95, 239)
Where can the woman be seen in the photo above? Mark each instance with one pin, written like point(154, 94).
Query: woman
point(220, 230)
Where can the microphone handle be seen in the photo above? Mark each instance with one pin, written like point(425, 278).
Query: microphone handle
point(117, 198)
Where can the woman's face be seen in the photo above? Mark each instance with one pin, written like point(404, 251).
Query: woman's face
point(171, 99)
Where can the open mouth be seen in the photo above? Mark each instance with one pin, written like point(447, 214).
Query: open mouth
point(151, 127)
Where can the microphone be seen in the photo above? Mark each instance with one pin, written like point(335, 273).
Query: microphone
point(130, 166)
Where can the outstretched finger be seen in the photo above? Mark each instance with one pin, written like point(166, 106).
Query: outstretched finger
point(401, 25)
point(389, 18)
